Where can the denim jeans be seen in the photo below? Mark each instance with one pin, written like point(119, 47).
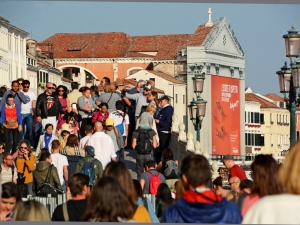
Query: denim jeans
point(27, 122)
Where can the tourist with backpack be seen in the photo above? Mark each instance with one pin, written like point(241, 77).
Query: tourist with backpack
point(151, 179)
point(144, 142)
point(74, 209)
point(169, 167)
point(89, 165)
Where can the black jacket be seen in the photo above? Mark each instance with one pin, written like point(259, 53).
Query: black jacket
point(41, 106)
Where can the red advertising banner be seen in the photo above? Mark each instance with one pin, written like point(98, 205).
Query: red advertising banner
point(225, 96)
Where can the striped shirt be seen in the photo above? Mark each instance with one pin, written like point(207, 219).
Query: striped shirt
point(6, 175)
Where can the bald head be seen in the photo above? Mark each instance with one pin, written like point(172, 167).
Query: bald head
point(234, 183)
point(98, 126)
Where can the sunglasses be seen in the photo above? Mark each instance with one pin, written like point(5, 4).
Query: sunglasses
point(25, 86)
point(51, 88)
point(23, 147)
point(1, 147)
point(20, 83)
point(61, 90)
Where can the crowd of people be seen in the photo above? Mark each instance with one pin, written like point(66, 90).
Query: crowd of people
point(74, 144)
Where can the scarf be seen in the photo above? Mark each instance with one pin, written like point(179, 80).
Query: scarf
point(47, 138)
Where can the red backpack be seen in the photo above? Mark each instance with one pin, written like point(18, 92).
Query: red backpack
point(154, 183)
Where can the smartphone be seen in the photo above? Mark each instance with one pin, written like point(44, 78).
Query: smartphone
point(74, 106)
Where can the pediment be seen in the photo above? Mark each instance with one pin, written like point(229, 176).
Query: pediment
point(222, 40)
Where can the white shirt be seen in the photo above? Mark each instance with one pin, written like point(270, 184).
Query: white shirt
point(118, 119)
point(27, 108)
point(104, 147)
point(59, 161)
point(83, 141)
point(275, 209)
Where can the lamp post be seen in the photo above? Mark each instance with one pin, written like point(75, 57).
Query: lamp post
point(197, 108)
point(289, 78)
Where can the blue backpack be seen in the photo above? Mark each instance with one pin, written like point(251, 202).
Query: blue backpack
point(89, 169)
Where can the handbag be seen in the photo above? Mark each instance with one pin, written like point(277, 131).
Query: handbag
point(11, 123)
point(46, 189)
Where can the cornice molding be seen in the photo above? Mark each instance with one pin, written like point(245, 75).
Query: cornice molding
point(110, 60)
point(224, 55)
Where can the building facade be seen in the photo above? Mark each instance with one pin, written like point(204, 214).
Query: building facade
point(13, 62)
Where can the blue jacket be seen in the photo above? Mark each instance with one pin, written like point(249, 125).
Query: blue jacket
point(182, 211)
point(165, 119)
point(18, 99)
point(2, 118)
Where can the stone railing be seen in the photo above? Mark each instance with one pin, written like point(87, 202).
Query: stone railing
point(182, 143)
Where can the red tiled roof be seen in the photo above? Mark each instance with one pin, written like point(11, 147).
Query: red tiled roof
point(89, 45)
point(199, 36)
point(119, 44)
point(274, 97)
point(164, 45)
point(263, 103)
point(166, 76)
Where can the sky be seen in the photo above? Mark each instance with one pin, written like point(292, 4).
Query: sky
point(258, 27)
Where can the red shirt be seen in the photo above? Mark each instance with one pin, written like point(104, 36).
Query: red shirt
point(237, 171)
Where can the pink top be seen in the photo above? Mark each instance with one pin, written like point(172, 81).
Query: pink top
point(248, 202)
point(63, 102)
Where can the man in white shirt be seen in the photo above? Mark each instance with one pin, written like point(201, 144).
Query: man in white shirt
point(8, 172)
point(88, 133)
point(121, 121)
point(61, 163)
point(103, 145)
point(27, 111)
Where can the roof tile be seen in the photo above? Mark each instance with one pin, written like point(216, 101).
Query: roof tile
point(264, 103)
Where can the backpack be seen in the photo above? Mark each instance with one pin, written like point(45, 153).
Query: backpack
point(154, 183)
point(144, 144)
point(170, 169)
point(89, 169)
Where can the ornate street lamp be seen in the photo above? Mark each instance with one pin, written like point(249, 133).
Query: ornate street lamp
point(197, 108)
point(289, 80)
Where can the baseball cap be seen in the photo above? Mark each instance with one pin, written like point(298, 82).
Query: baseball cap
point(164, 97)
point(109, 122)
point(90, 150)
point(227, 157)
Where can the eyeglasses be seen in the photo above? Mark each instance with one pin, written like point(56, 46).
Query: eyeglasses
point(9, 159)
point(61, 90)
point(25, 86)
point(20, 83)
point(51, 87)
point(23, 147)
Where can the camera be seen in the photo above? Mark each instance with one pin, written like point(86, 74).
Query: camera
point(21, 178)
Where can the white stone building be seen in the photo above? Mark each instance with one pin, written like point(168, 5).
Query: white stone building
point(12, 52)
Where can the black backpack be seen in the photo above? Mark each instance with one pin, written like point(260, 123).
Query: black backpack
point(144, 143)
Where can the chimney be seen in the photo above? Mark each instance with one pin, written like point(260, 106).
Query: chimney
point(209, 22)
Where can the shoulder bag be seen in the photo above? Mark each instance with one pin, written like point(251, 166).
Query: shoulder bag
point(46, 189)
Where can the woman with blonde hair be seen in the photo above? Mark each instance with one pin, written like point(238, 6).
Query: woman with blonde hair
point(31, 210)
point(282, 208)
